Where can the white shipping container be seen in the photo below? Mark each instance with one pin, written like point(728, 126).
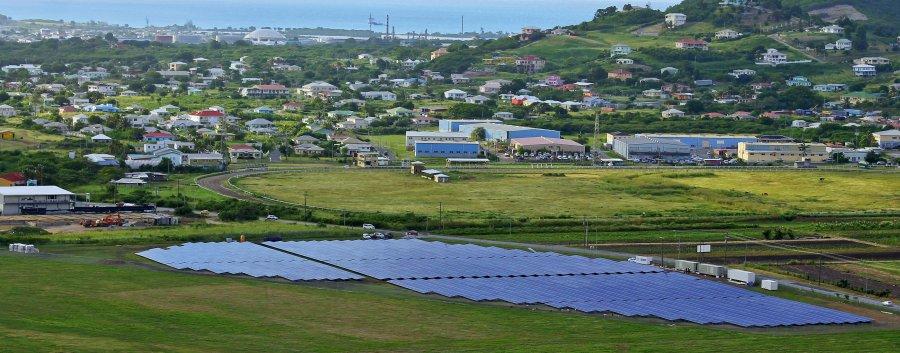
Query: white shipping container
point(685, 265)
point(769, 284)
point(742, 276)
point(712, 270)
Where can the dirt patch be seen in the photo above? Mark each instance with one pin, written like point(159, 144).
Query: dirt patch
point(835, 13)
point(844, 278)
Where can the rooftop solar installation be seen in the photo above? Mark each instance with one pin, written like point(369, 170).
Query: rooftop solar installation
point(670, 296)
point(412, 259)
point(245, 258)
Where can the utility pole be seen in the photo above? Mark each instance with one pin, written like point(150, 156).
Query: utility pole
point(584, 221)
point(305, 194)
point(441, 214)
point(725, 259)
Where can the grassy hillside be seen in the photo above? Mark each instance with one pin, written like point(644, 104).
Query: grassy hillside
point(93, 301)
point(585, 192)
point(883, 12)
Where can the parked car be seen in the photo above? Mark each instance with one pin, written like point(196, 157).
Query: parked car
point(368, 226)
point(271, 217)
point(412, 233)
point(367, 236)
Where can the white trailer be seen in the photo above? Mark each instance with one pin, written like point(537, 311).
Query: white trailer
point(769, 284)
point(741, 276)
point(686, 266)
point(712, 270)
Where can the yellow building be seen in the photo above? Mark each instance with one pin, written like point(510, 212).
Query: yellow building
point(7, 135)
point(762, 152)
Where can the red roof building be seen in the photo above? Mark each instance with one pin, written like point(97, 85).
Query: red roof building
point(690, 43)
point(13, 179)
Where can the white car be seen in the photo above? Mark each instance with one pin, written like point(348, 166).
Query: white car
point(271, 217)
point(887, 303)
point(368, 226)
point(367, 236)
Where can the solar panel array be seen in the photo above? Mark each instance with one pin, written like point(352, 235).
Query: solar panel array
point(245, 258)
point(588, 285)
point(417, 259)
point(670, 296)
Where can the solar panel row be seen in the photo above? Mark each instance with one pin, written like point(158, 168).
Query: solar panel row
point(496, 274)
point(245, 258)
point(671, 296)
point(409, 259)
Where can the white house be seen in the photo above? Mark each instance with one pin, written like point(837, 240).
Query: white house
point(620, 49)
point(676, 19)
point(317, 89)
point(455, 94)
point(260, 126)
point(479, 99)
point(379, 95)
point(7, 111)
point(775, 57)
point(864, 70)
point(833, 29)
point(840, 44)
point(727, 34)
point(672, 113)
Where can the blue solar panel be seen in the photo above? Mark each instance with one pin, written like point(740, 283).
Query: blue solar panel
point(671, 296)
point(244, 258)
point(409, 259)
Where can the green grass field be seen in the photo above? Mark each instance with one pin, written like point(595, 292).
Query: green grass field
point(88, 302)
point(588, 193)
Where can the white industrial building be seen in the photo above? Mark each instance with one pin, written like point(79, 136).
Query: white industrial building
point(433, 136)
point(15, 200)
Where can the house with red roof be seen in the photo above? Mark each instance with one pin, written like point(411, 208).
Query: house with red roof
point(690, 43)
point(207, 117)
point(158, 136)
point(619, 74)
point(13, 179)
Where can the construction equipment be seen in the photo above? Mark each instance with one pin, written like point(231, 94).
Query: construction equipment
point(107, 221)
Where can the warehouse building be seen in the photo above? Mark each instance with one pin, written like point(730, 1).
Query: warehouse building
point(447, 149)
point(15, 200)
point(536, 144)
point(453, 125)
point(641, 147)
point(763, 152)
point(431, 136)
point(704, 141)
point(504, 132)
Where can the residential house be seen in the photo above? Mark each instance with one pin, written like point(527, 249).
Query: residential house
point(672, 113)
point(873, 60)
point(774, 57)
point(675, 19)
point(207, 117)
point(619, 74)
point(690, 43)
point(439, 53)
point(727, 34)
point(243, 151)
point(479, 99)
point(264, 110)
point(800, 81)
point(840, 44)
point(455, 94)
point(530, 64)
point(864, 70)
point(887, 139)
point(103, 160)
point(624, 61)
point(493, 86)
point(833, 29)
point(260, 126)
point(158, 136)
point(379, 95)
point(830, 87)
point(619, 49)
point(177, 66)
point(266, 91)
point(7, 111)
point(318, 89)
point(308, 149)
point(13, 179)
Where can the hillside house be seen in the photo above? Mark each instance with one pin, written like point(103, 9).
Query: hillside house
point(266, 91)
point(620, 49)
point(675, 19)
point(774, 57)
point(690, 43)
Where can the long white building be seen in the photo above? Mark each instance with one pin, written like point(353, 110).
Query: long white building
point(15, 200)
point(432, 136)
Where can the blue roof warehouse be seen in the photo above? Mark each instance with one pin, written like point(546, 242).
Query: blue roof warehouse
point(504, 132)
point(447, 149)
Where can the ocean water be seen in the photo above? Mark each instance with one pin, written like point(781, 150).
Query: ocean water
point(406, 15)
